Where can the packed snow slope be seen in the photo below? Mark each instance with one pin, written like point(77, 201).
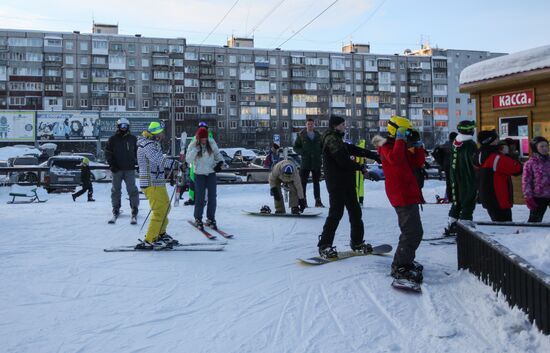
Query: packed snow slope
point(62, 293)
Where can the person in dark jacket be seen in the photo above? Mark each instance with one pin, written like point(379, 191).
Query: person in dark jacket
point(272, 157)
point(308, 146)
point(442, 155)
point(495, 170)
point(86, 179)
point(401, 154)
point(340, 169)
point(120, 153)
point(463, 176)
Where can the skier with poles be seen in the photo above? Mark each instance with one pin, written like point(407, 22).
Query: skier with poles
point(152, 164)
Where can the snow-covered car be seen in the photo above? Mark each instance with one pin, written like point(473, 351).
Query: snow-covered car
point(261, 175)
point(239, 152)
point(23, 177)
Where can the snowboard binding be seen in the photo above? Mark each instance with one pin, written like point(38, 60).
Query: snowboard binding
point(265, 209)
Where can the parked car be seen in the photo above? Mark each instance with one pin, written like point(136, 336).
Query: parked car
point(376, 173)
point(64, 172)
point(238, 152)
point(4, 177)
point(23, 161)
point(260, 176)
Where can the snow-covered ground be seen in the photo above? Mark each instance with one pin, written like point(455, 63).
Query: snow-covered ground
point(62, 293)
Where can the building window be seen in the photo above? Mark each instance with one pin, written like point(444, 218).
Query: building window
point(69, 102)
point(83, 46)
point(233, 124)
point(83, 103)
point(69, 89)
point(458, 101)
point(146, 103)
point(285, 124)
point(221, 124)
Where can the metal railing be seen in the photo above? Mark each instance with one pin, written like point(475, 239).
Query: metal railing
point(521, 284)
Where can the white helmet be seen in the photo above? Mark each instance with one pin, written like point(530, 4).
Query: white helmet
point(123, 121)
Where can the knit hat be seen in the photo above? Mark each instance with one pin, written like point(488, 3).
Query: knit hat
point(155, 127)
point(466, 127)
point(335, 120)
point(486, 137)
point(202, 133)
point(288, 169)
point(203, 124)
point(85, 161)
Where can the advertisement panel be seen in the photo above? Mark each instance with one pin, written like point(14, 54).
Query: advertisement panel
point(139, 121)
point(16, 125)
point(67, 125)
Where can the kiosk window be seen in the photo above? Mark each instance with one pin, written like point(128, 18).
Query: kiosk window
point(516, 128)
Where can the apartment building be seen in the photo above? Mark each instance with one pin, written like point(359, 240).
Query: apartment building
point(247, 95)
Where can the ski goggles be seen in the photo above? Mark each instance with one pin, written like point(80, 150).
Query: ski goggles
point(123, 126)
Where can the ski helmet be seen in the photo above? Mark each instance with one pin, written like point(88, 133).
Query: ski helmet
point(397, 122)
point(535, 141)
point(123, 123)
point(155, 127)
point(203, 124)
point(288, 169)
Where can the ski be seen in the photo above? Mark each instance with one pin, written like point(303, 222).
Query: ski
point(179, 245)
point(318, 260)
point(204, 232)
point(221, 232)
point(133, 220)
point(175, 248)
point(406, 285)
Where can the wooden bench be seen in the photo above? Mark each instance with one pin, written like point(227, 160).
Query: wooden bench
point(29, 198)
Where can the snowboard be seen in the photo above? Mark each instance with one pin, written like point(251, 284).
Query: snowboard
point(406, 285)
point(305, 214)
point(342, 255)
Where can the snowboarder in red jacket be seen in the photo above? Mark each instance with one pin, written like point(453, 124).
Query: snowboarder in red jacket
point(400, 156)
point(495, 171)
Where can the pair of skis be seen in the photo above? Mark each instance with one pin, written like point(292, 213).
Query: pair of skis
point(176, 247)
point(210, 235)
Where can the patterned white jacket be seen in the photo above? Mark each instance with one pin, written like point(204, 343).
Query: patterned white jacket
point(151, 162)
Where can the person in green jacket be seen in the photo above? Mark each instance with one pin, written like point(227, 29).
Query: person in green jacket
point(308, 145)
point(463, 176)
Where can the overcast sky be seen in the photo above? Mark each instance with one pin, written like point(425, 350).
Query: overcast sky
point(390, 26)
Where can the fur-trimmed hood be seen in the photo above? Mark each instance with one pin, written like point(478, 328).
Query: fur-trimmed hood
point(378, 141)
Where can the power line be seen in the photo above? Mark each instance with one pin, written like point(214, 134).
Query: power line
point(307, 24)
point(265, 17)
point(219, 23)
point(366, 20)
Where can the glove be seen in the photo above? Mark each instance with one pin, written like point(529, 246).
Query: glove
point(302, 205)
point(401, 133)
point(218, 167)
point(275, 193)
point(531, 203)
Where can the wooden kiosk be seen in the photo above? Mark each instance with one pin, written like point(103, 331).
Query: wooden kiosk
point(512, 93)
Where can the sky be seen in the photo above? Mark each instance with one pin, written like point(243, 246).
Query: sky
point(389, 26)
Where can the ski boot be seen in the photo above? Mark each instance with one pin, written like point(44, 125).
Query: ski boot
point(144, 245)
point(295, 210)
point(211, 223)
point(410, 272)
point(364, 248)
point(450, 231)
point(91, 199)
point(167, 239)
point(74, 197)
point(328, 252)
point(318, 203)
point(189, 202)
point(199, 224)
point(265, 209)
point(135, 212)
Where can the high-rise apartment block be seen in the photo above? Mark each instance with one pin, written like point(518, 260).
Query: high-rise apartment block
point(245, 94)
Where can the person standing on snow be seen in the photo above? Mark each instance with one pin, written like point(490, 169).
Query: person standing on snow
point(442, 155)
point(463, 177)
point(495, 177)
point(191, 190)
point(204, 155)
point(536, 179)
point(152, 164)
point(401, 153)
point(340, 168)
point(272, 157)
point(285, 173)
point(120, 153)
point(308, 146)
point(86, 179)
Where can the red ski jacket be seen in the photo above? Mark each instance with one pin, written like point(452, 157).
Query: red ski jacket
point(398, 163)
point(495, 183)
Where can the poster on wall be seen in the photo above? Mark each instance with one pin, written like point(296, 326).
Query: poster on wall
point(67, 125)
point(16, 125)
point(139, 121)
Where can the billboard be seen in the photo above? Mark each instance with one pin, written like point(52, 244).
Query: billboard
point(16, 125)
point(67, 125)
point(139, 121)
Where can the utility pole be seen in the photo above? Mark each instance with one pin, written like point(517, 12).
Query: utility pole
point(172, 108)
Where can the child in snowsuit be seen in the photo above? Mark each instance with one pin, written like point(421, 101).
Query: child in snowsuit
point(86, 178)
point(401, 154)
point(536, 179)
point(494, 176)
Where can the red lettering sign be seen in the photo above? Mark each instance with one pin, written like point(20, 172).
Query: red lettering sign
point(514, 99)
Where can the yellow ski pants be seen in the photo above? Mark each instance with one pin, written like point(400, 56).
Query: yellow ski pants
point(160, 207)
